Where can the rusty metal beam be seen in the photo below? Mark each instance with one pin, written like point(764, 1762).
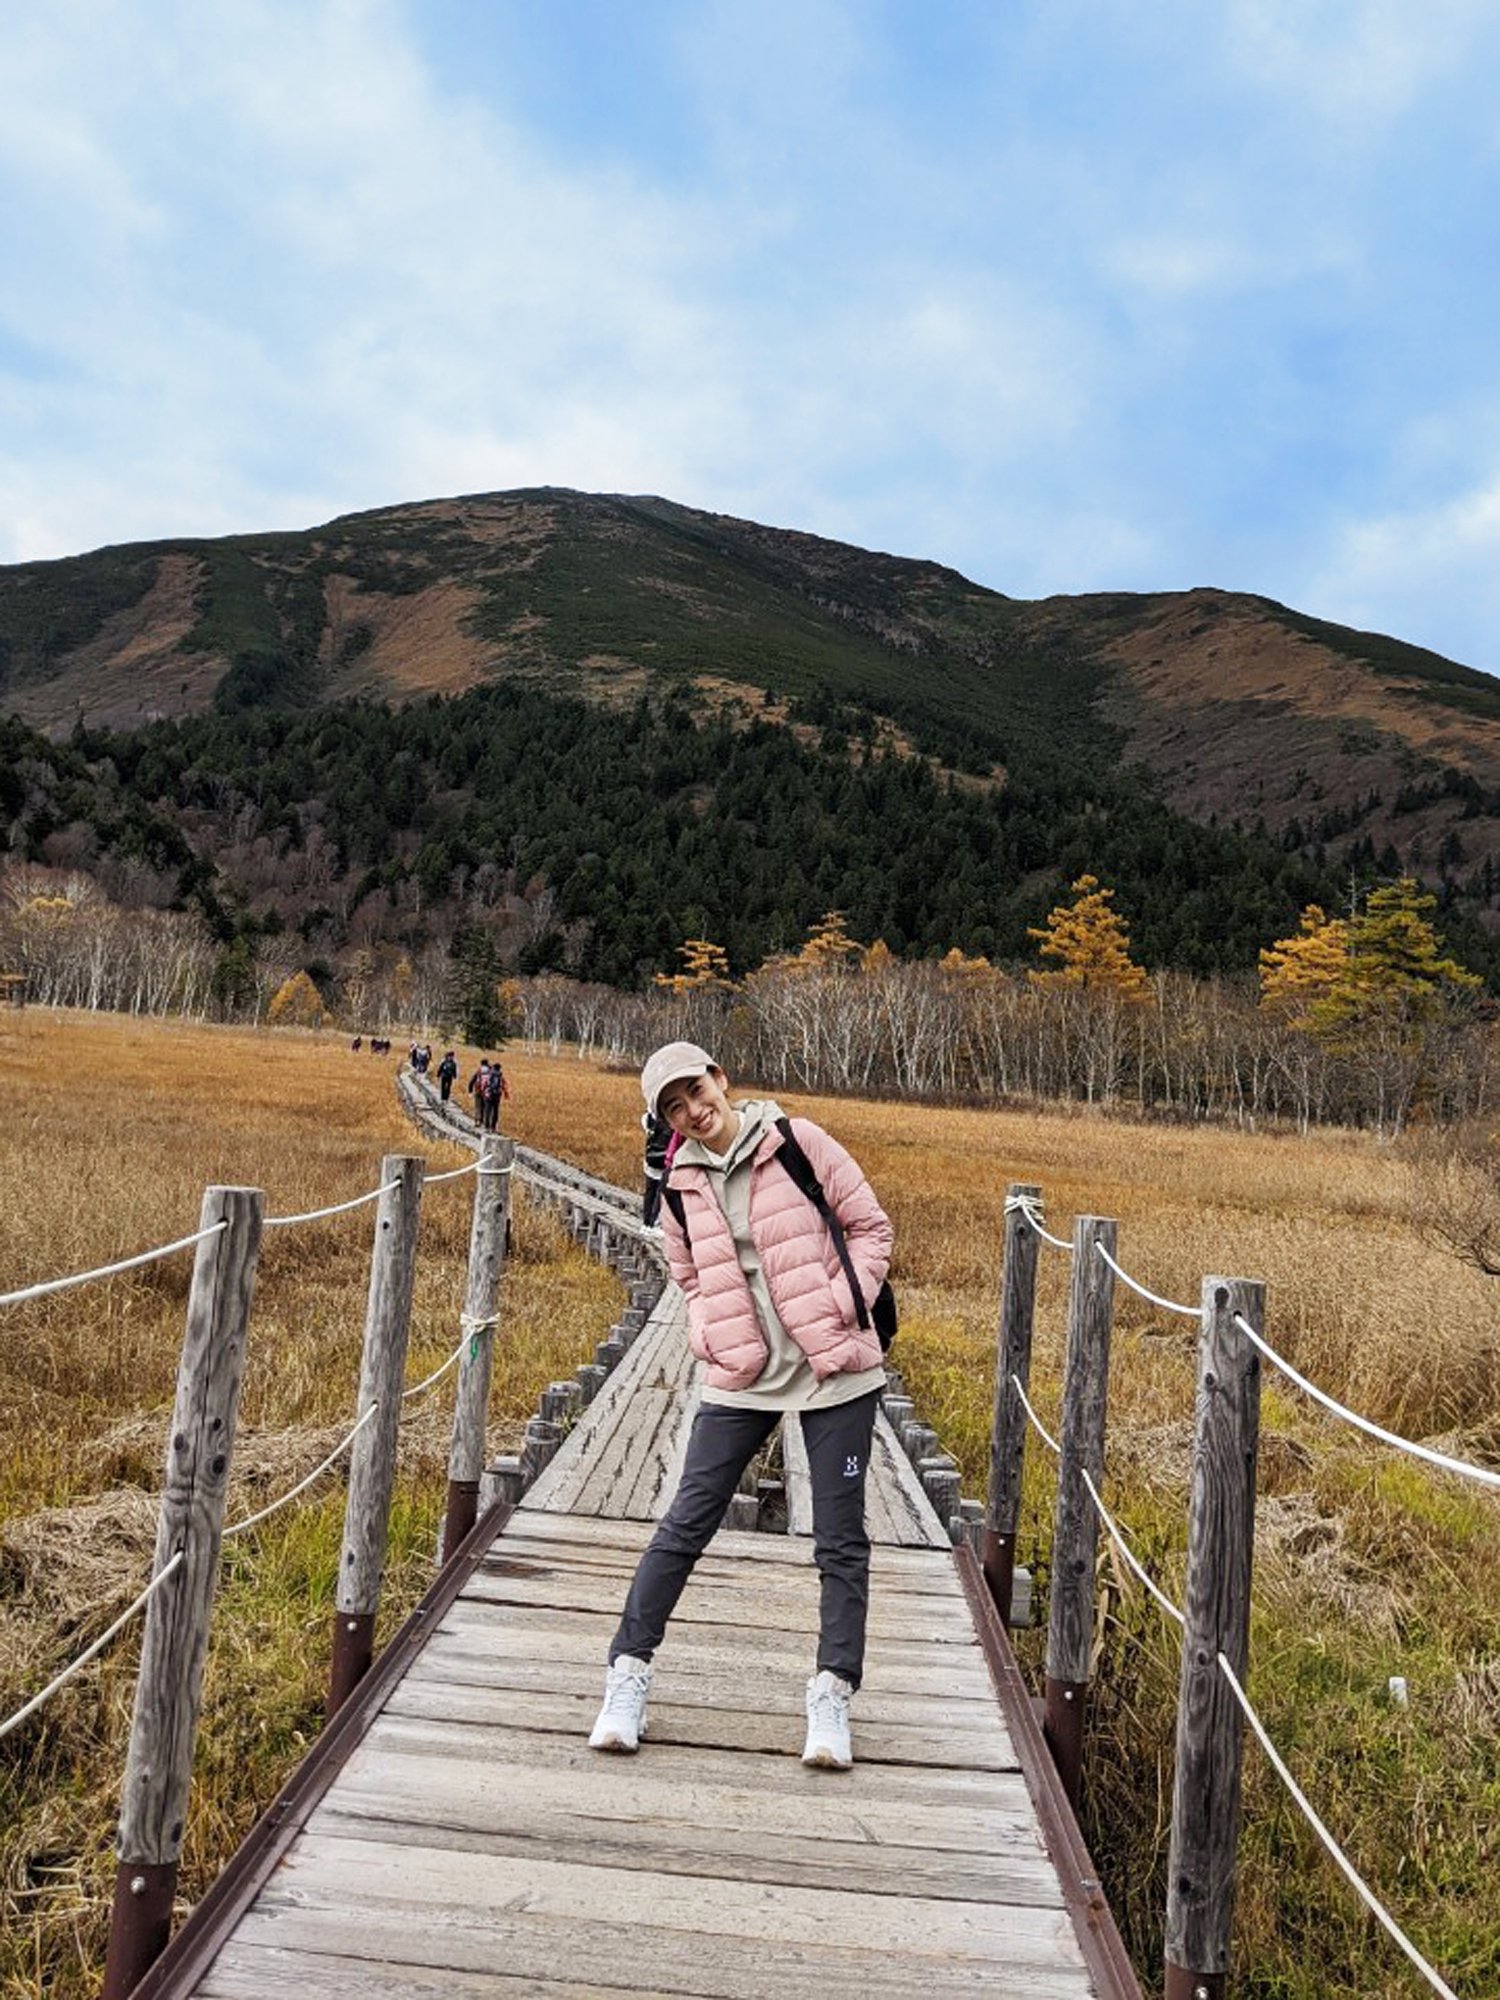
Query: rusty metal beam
point(1103, 1948)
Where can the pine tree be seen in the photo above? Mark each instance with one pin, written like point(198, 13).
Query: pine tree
point(1297, 973)
point(474, 987)
point(1091, 941)
point(1395, 970)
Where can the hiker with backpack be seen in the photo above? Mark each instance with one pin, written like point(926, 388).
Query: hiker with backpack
point(494, 1089)
point(447, 1069)
point(781, 1250)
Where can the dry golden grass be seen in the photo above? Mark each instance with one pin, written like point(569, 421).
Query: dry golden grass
point(1366, 1565)
point(112, 1130)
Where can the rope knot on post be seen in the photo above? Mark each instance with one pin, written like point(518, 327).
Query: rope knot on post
point(476, 1326)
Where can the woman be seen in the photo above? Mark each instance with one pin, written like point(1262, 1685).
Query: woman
point(772, 1318)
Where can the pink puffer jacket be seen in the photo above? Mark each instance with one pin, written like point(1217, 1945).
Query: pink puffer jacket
point(803, 1273)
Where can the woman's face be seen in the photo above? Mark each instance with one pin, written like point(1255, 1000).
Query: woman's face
point(698, 1108)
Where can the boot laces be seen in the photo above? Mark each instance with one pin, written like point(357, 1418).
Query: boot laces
point(626, 1689)
point(828, 1707)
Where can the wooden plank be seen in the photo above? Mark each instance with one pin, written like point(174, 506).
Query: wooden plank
point(626, 1821)
point(694, 1852)
point(746, 1639)
point(773, 1776)
point(266, 1972)
point(679, 1686)
point(915, 1525)
point(516, 1557)
point(790, 1609)
point(767, 1734)
point(408, 1768)
point(647, 1392)
point(393, 1941)
point(558, 1486)
point(448, 1886)
point(578, 1530)
point(659, 1476)
point(709, 1655)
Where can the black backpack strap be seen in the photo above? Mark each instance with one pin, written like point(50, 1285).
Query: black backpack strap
point(675, 1202)
point(802, 1171)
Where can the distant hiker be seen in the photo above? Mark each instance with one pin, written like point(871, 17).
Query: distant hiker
point(475, 1088)
point(661, 1145)
point(447, 1069)
point(357, 1043)
point(780, 1294)
point(494, 1090)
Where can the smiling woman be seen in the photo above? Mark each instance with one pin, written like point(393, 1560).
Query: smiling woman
point(779, 1314)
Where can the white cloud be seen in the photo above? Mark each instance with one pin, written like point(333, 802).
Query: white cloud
point(1399, 571)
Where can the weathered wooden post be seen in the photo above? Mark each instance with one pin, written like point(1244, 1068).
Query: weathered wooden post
point(169, 1686)
point(1002, 1519)
point(471, 1398)
point(1075, 1529)
point(1210, 1727)
point(372, 1466)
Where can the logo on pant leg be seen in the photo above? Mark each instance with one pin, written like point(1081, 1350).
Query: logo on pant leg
point(851, 1466)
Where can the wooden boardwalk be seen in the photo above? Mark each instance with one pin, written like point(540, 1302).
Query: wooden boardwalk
point(466, 1842)
point(474, 1845)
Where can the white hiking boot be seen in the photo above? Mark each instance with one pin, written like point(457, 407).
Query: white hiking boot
point(827, 1743)
point(622, 1719)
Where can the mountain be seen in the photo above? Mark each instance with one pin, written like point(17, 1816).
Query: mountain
point(1341, 750)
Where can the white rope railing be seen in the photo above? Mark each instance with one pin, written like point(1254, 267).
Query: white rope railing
point(1425, 1452)
point(1346, 1867)
point(337, 1208)
point(1030, 1209)
point(1171, 1305)
point(1042, 1431)
point(109, 1270)
point(1365, 1894)
point(61, 1680)
point(1116, 1533)
point(1132, 1561)
point(186, 1242)
point(439, 1372)
point(253, 1520)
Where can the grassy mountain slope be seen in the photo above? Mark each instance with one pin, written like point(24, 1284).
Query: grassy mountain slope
point(1348, 749)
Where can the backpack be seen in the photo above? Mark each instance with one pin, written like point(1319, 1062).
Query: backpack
point(883, 1313)
point(494, 1083)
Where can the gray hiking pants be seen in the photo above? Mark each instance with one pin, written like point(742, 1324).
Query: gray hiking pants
point(722, 1443)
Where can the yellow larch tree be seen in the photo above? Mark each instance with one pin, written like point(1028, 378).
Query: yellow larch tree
point(1091, 941)
point(1296, 973)
point(704, 964)
point(296, 1003)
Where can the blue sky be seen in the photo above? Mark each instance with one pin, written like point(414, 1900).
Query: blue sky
point(1071, 294)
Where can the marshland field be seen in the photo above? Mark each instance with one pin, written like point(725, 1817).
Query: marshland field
point(1367, 1565)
